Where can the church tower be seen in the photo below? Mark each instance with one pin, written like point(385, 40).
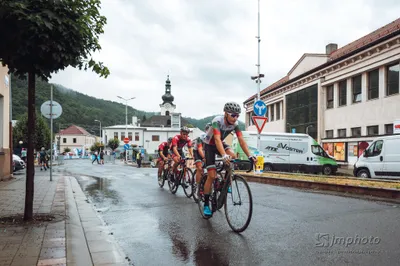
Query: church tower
point(167, 107)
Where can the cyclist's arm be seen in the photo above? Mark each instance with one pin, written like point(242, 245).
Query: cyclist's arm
point(162, 155)
point(218, 143)
point(201, 152)
point(175, 150)
point(191, 152)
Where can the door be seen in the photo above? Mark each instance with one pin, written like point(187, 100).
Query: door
point(374, 159)
point(391, 158)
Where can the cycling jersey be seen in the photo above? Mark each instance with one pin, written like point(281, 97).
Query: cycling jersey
point(198, 143)
point(218, 127)
point(180, 143)
point(164, 147)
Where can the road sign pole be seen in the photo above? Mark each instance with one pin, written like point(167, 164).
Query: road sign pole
point(51, 133)
point(258, 68)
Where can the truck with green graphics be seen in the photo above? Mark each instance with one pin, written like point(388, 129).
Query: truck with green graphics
point(287, 152)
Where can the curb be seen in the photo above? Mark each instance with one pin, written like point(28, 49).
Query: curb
point(360, 190)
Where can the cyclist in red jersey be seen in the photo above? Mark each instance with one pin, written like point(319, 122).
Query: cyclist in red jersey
point(163, 149)
point(177, 144)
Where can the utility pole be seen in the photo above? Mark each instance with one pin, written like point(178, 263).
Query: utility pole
point(126, 122)
point(51, 133)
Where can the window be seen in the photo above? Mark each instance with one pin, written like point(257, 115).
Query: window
point(115, 135)
point(130, 136)
point(389, 129)
point(342, 92)
point(302, 111)
point(167, 113)
point(64, 140)
point(136, 136)
point(375, 149)
point(342, 133)
point(329, 97)
point(278, 111)
point(272, 107)
point(317, 150)
point(373, 84)
point(329, 134)
point(393, 79)
point(74, 140)
point(356, 132)
point(372, 130)
point(249, 116)
point(356, 89)
point(122, 135)
point(155, 138)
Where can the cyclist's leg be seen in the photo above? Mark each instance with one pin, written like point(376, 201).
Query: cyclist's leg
point(160, 165)
point(210, 151)
point(199, 168)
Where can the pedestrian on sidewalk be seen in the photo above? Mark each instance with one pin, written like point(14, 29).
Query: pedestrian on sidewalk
point(42, 159)
point(102, 157)
point(96, 158)
point(139, 159)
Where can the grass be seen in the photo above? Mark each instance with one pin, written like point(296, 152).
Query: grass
point(340, 180)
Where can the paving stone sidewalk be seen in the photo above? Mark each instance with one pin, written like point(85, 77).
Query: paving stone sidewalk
point(77, 236)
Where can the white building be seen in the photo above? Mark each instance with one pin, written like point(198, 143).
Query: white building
point(156, 129)
point(343, 98)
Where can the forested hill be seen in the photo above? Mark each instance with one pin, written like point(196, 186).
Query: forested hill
point(80, 109)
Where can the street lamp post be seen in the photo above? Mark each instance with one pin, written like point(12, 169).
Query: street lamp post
point(308, 127)
point(101, 138)
point(126, 121)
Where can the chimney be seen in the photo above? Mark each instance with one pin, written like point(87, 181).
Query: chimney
point(331, 48)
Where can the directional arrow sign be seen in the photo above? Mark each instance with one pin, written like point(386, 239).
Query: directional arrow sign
point(259, 108)
point(259, 121)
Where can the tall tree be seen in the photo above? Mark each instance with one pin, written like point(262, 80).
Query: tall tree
point(41, 138)
point(41, 37)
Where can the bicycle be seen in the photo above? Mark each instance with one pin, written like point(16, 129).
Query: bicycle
point(183, 177)
point(220, 197)
point(165, 172)
point(220, 168)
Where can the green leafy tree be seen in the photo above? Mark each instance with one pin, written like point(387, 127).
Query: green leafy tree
point(96, 147)
point(41, 37)
point(67, 149)
point(113, 144)
point(41, 137)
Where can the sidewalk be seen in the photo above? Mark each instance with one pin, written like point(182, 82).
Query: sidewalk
point(76, 235)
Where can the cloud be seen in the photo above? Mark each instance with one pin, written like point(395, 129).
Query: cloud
point(209, 47)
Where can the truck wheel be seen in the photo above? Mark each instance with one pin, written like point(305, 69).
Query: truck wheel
point(327, 170)
point(267, 167)
point(363, 173)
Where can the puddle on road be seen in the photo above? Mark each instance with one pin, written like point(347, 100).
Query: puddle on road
point(99, 190)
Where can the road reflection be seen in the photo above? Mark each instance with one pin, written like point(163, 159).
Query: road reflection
point(99, 190)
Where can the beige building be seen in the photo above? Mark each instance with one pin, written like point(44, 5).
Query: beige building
point(74, 137)
point(344, 98)
point(5, 151)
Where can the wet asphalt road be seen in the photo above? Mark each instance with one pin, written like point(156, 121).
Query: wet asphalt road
point(288, 227)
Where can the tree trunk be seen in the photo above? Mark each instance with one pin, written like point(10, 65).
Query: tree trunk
point(30, 170)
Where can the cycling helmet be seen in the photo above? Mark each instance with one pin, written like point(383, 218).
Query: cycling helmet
point(232, 107)
point(185, 129)
point(169, 139)
point(208, 126)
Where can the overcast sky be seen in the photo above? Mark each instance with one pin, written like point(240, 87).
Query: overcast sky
point(209, 49)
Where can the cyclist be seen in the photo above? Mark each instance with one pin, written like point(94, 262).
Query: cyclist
point(163, 152)
point(177, 144)
point(199, 156)
point(222, 126)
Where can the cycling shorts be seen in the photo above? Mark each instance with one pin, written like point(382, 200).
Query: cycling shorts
point(210, 152)
point(197, 157)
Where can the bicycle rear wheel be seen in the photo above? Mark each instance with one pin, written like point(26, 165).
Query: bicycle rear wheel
point(187, 180)
point(239, 197)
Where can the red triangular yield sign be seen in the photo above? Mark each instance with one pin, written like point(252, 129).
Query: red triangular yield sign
point(259, 121)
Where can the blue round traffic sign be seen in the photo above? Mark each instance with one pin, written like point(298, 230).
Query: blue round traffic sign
point(126, 146)
point(259, 108)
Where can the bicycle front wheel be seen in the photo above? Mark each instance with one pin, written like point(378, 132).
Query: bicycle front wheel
point(187, 182)
point(161, 178)
point(238, 205)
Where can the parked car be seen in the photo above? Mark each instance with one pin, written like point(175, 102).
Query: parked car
point(380, 160)
point(19, 163)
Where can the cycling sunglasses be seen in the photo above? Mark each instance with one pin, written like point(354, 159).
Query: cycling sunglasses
point(233, 115)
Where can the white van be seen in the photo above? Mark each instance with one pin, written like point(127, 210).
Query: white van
point(290, 152)
point(381, 159)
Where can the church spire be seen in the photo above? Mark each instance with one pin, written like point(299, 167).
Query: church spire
point(167, 97)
